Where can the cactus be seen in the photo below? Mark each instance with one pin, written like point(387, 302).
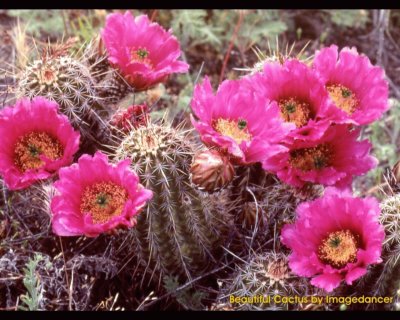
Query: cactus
point(68, 82)
point(95, 58)
point(256, 191)
point(384, 279)
point(112, 87)
point(181, 230)
point(261, 278)
point(277, 55)
point(389, 281)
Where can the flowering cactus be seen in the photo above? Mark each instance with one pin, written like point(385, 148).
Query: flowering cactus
point(356, 87)
point(301, 97)
point(327, 161)
point(334, 238)
point(36, 142)
point(142, 51)
point(230, 122)
point(252, 198)
point(94, 196)
point(68, 82)
point(181, 229)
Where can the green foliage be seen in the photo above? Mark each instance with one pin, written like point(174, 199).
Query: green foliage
point(39, 21)
point(384, 136)
point(259, 27)
point(349, 18)
point(187, 297)
point(176, 104)
point(87, 27)
point(191, 25)
point(216, 26)
point(83, 28)
point(34, 296)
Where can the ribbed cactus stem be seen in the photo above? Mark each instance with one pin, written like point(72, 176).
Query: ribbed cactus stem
point(275, 201)
point(180, 231)
point(111, 85)
point(68, 82)
point(95, 58)
point(389, 280)
point(264, 275)
point(113, 88)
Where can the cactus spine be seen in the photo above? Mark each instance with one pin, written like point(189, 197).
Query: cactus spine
point(68, 82)
point(388, 282)
point(181, 230)
point(261, 197)
point(263, 277)
point(112, 87)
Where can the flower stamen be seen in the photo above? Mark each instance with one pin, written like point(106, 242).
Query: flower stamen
point(235, 129)
point(339, 248)
point(141, 55)
point(103, 201)
point(343, 98)
point(296, 111)
point(308, 159)
point(31, 146)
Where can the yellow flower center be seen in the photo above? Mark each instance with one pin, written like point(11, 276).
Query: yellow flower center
point(141, 55)
point(103, 201)
point(339, 248)
point(315, 158)
point(296, 111)
point(235, 129)
point(343, 98)
point(31, 146)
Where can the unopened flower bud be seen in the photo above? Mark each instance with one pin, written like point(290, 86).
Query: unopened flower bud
point(251, 215)
point(211, 171)
point(133, 117)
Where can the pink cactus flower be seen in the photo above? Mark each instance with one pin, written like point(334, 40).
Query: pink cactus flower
point(356, 87)
point(36, 141)
point(331, 160)
point(95, 196)
point(301, 97)
point(237, 122)
point(143, 52)
point(334, 238)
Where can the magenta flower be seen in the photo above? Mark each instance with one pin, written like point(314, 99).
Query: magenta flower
point(331, 160)
point(95, 196)
point(35, 142)
point(143, 52)
point(334, 238)
point(356, 87)
point(301, 96)
point(237, 122)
